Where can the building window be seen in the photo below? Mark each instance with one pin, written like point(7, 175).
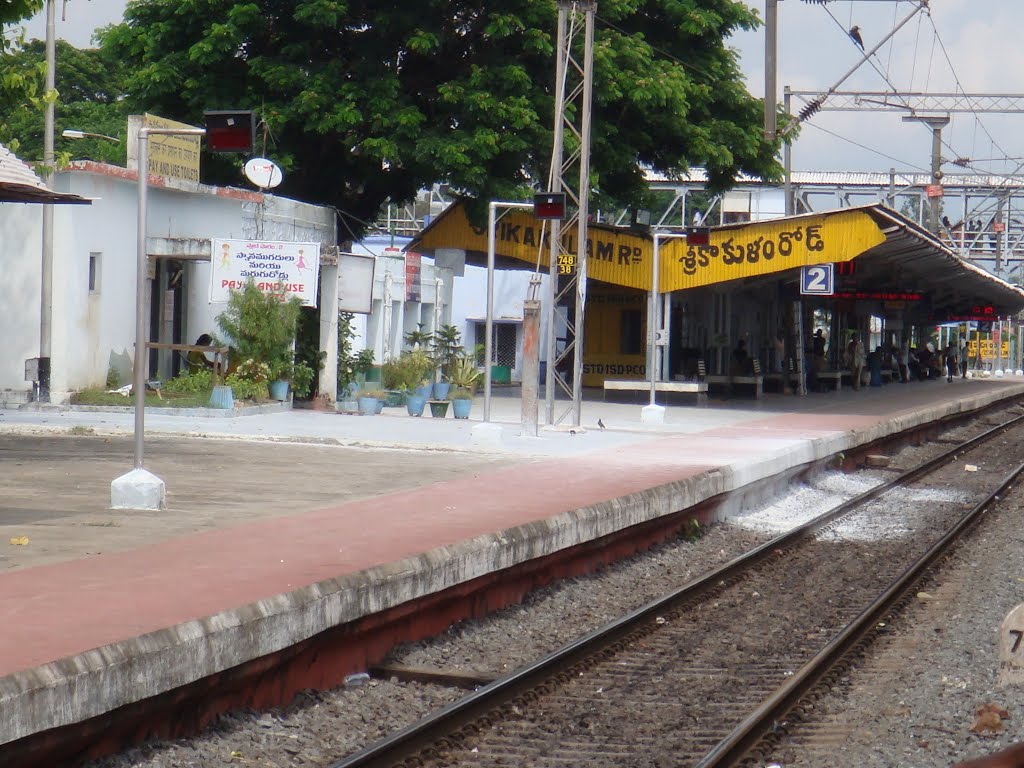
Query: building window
point(503, 340)
point(94, 272)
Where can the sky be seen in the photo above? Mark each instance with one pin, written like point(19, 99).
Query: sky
point(979, 37)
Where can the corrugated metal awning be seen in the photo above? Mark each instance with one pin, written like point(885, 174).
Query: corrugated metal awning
point(911, 254)
point(18, 184)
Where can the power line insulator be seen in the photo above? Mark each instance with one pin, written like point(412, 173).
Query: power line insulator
point(811, 108)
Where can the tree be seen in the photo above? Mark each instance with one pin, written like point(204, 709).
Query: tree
point(90, 90)
point(367, 100)
point(13, 11)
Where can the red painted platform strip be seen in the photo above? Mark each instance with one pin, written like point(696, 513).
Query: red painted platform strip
point(50, 612)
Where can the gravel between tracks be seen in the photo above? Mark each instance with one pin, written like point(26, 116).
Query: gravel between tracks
point(319, 728)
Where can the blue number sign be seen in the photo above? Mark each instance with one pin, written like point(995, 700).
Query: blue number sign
point(817, 280)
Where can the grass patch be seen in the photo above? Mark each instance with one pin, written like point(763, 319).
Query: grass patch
point(102, 397)
point(80, 430)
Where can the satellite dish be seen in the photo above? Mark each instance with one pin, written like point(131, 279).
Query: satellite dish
point(263, 173)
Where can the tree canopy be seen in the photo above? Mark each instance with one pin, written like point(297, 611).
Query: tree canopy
point(365, 100)
point(90, 91)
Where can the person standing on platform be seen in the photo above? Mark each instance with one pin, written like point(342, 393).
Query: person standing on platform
point(875, 366)
point(819, 350)
point(905, 361)
point(963, 358)
point(856, 353)
point(952, 360)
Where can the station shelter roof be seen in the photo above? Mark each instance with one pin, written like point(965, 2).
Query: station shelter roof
point(893, 256)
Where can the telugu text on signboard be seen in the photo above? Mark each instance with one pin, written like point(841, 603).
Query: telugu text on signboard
point(274, 267)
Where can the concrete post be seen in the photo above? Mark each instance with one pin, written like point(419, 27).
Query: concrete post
point(328, 383)
point(531, 366)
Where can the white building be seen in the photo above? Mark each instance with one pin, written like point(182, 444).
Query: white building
point(450, 294)
point(94, 270)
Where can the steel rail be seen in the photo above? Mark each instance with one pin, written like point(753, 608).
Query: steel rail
point(421, 735)
point(734, 747)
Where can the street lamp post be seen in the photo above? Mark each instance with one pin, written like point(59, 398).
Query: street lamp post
point(140, 489)
point(46, 274)
point(652, 413)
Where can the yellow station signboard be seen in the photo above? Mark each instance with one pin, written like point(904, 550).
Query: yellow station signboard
point(625, 258)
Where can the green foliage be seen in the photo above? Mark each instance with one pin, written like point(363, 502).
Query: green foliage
point(302, 379)
point(460, 394)
point(246, 389)
point(362, 362)
point(113, 378)
point(463, 373)
point(419, 339)
point(260, 326)
point(446, 348)
point(407, 371)
point(255, 371)
point(186, 382)
point(307, 350)
point(393, 97)
point(89, 90)
point(12, 11)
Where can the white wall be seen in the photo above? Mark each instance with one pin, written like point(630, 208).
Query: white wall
point(89, 331)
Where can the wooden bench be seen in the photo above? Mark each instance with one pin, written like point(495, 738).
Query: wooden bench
point(757, 380)
point(783, 380)
point(635, 387)
point(836, 377)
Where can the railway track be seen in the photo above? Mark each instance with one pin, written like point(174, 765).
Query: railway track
point(700, 676)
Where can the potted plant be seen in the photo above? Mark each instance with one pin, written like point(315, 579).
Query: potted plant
point(446, 349)
point(415, 403)
point(438, 408)
point(260, 326)
point(463, 374)
point(371, 401)
point(462, 402)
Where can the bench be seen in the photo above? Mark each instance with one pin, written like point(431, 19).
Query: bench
point(757, 380)
point(836, 377)
point(783, 380)
point(635, 387)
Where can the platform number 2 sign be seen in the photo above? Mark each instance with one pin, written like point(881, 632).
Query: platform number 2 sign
point(817, 280)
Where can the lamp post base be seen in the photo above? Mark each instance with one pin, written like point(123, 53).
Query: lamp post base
point(652, 414)
point(138, 489)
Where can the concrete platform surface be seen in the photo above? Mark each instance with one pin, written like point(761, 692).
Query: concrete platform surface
point(282, 525)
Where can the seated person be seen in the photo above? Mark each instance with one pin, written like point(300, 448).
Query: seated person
point(740, 363)
point(198, 361)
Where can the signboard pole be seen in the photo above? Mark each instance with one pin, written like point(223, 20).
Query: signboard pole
point(134, 490)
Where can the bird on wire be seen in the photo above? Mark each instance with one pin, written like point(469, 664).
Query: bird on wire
point(855, 36)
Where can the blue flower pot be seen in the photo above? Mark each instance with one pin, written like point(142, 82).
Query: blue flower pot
point(367, 406)
point(279, 390)
point(414, 404)
point(441, 390)
point(222, 397)
point(425, 390)
point(461, 408)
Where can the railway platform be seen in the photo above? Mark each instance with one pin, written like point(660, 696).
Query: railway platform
point(282, 527)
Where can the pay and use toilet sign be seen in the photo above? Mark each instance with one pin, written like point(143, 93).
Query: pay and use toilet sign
point(286, 268)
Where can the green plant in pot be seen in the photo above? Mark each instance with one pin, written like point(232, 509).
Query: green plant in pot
point(446, 349)
point(462, 403)
point(463, 374)
point(259, 326)
point(371, 401)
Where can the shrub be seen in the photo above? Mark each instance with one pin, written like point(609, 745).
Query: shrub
point(260, 326)
point(188, 383)
point(407, 371)
point(246, 389)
